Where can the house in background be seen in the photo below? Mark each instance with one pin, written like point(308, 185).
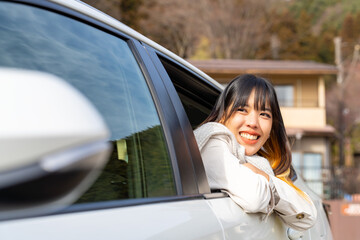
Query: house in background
point(300, 87)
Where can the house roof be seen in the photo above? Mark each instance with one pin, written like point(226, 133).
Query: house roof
point(239, 66)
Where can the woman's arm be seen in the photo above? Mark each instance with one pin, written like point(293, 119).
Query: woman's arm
point(249, 190)
point(295, 210)
point(256, 170)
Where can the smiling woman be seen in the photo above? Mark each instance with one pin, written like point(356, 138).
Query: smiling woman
point(245, 151)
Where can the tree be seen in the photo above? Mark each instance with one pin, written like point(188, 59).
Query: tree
point(130, 12)
point(242, 29)
point(343, 106)
point(324, 45)
point(236, 29)
point(172, 23)
point(296, 41)
point(127, 11)
point(350, 34)
point(348, 27)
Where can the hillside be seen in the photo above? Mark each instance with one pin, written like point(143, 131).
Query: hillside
point(243, 29)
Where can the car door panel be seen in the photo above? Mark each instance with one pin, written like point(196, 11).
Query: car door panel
point(240, 225)
point(191, 219)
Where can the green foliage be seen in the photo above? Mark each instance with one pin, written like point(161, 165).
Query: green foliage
point(324, 46)
point(315, 8)
point(350, 6)
point(306, 28)
point(355, 141)
point(296, 39)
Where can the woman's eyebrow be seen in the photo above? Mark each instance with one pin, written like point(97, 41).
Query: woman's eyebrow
point(246, 105)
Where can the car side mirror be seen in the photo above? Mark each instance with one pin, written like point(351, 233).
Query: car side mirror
point(53, 143)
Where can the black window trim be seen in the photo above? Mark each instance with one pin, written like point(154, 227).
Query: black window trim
point(196, 160)
point(196, 75)
point(172, 123)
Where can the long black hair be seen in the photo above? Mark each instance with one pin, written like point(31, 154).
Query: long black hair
point(276, 149)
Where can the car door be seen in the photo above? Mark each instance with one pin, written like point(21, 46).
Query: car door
point(149, 188)
point(197, 96)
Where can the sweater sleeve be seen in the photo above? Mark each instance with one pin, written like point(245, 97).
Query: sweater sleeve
point(249, 190)
point(295, 210)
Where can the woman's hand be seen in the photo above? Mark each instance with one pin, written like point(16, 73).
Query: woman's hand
point(256, 170)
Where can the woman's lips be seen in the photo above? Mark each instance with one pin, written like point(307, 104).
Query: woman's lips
point(249, 138)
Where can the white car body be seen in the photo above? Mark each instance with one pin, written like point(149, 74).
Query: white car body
point(202, 216)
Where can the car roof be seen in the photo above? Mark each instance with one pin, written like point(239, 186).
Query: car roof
point(94, 13)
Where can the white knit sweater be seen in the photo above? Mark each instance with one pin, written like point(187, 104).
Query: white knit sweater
point(268, 196)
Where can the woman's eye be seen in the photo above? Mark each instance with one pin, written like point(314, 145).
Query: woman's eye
point(265, 115)
point(241, 110)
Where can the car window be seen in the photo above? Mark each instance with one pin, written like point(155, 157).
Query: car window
point(103, 68)
point(197, 97)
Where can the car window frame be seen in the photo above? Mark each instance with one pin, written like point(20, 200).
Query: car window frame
point(186, 179)
point(196, 160)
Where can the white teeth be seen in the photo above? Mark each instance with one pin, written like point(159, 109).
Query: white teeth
point(248, 136)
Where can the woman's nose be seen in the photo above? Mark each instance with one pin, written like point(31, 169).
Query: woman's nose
point(252, 120)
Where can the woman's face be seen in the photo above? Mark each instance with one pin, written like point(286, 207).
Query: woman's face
point(251, 127)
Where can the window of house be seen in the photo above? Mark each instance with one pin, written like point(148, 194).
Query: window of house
point(285, 94)
point(103, 68)
point(309, 166)
point(312, 171)
point(296, 161)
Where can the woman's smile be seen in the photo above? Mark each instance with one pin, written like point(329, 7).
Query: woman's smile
point(249, 138)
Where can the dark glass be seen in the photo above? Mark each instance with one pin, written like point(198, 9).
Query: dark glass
point(103, 68)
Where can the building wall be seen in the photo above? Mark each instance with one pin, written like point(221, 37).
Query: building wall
point(306, 89)
point(304, 117)
point(311, 145)
point(309, 92)
point(308, 108)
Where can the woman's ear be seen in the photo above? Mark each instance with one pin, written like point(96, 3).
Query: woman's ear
point(222, 121)
point(226, 115)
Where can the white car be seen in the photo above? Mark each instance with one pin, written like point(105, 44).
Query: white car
point(96, 135)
